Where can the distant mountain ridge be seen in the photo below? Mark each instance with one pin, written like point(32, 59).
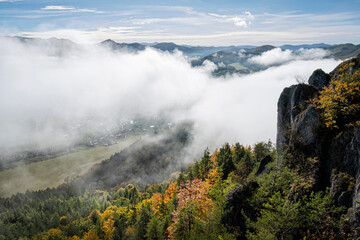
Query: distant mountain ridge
point(305, 46)
point(193, 51)
point(340, 51)
point(132, 47)
point(229, 59)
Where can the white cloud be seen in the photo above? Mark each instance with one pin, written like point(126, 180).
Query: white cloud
point(53, 93)
point(277, 56)
point(69, 9)
point(314, 53)
point(345, 34)
point(238, 21)
point(272, 57)
point(243, 20)
point(217, 15)
point(58, 8)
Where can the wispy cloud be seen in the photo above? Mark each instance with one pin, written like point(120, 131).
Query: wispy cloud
point(243, 20)
point(296, 20)
point(187, 25)
point(58, 8)
point(69, 9)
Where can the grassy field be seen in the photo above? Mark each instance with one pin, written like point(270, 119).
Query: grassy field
point(237, 66)
point(52, 172)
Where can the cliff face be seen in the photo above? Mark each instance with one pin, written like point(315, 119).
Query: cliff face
point(298, 121)
point(338, 152)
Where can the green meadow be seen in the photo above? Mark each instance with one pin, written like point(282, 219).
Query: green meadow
point(52, 172)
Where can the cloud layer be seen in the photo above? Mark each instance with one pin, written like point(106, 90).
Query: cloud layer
point(43, 96)
point(277, 56)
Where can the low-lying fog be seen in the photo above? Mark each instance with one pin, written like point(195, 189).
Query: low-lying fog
point(46, 97)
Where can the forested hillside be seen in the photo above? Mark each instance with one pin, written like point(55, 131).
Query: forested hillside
point(236, 192)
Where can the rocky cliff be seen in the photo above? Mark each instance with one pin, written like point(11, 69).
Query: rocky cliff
point(336, 150)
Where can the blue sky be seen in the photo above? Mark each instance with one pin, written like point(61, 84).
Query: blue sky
point(195, 22)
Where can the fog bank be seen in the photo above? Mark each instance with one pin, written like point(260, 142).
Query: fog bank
point(49, 99)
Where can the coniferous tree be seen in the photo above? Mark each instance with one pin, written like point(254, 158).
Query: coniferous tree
point(142, 220)
point(154, 230)
point(239, 152)
point(180, 179)
point(225, 161)
point(206, 162)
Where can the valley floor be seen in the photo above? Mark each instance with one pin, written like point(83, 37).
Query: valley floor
point(52, 172)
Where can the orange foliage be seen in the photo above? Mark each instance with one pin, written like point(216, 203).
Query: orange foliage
point(156, 200)
point(195, 191)
point(170, 192)
point(153, 187)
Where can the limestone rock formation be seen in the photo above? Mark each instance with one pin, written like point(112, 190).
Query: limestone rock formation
point(298, 121)
point(319, 79)
point(338, 151)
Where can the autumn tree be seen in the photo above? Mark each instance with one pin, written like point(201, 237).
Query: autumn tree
point(193, 205)
point(340, 101)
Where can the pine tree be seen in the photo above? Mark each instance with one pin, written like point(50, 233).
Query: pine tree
point(181, 178)
point(154, 230)
point(225, 161)
point(239, 152)
point(142, 220)
point(206, 162)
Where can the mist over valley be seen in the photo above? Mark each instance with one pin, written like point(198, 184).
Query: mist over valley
point(59, 97)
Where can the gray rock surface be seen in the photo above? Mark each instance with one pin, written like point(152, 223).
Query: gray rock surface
point(298, 121)
point(262, 166)
point(319, 79)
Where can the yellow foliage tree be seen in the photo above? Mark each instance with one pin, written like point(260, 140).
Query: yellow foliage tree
point(108, 228)
point(91, 235)
point(109, 212)
point(194, 193)
point(170, 192)
point(340, 101)
point(212, 177)
point(156, 200)
point(55, 234)
point(74, 238)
